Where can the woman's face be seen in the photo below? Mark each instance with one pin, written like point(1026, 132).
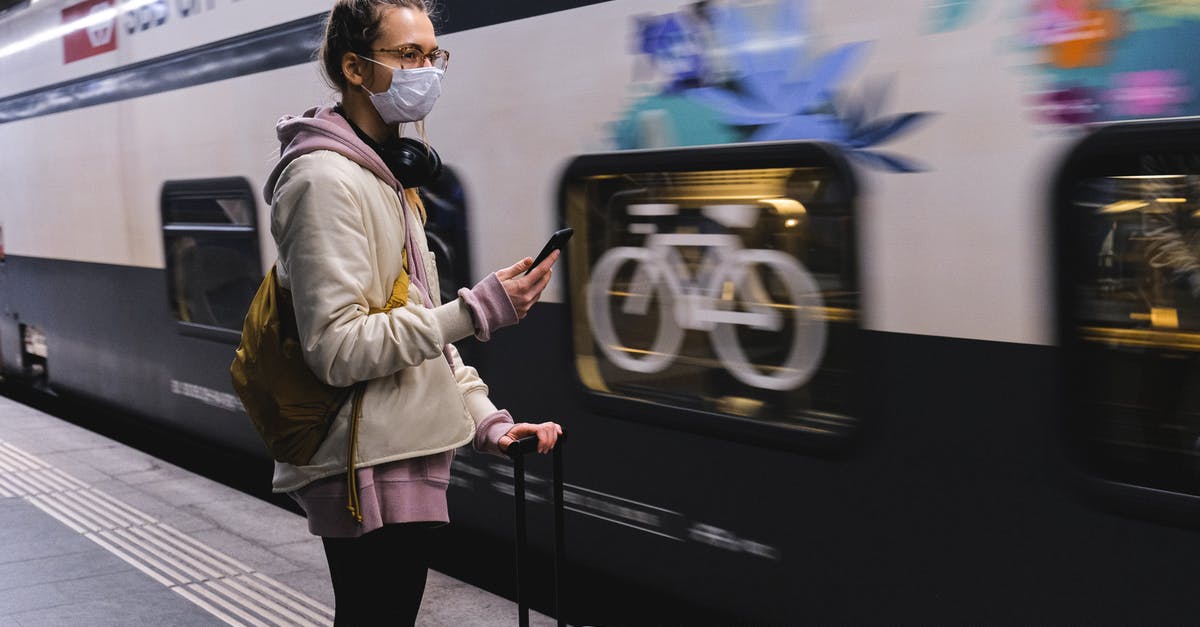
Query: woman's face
point(399, 27)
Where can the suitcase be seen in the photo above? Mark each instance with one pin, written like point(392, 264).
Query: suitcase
point(517, 451)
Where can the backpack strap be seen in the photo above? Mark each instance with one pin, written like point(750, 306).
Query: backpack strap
point(352, 503)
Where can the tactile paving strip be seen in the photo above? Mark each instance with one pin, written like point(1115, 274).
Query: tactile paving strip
point(221, 585)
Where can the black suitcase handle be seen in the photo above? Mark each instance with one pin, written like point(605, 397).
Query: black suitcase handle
point(517, 451)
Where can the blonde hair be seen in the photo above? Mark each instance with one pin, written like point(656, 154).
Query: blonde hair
point(414, 199)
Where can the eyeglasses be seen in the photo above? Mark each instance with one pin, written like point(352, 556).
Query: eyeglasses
point(411, 57)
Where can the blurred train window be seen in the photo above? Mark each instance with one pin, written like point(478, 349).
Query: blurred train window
point(446, 231)
point(1129, 241)
point(210, 237)
point(719, 284)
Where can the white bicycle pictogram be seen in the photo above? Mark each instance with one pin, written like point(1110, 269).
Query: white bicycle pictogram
point(727, 276)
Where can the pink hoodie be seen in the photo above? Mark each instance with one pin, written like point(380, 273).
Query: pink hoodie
point(321, 128)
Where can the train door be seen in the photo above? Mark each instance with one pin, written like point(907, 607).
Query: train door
point(1127, 205)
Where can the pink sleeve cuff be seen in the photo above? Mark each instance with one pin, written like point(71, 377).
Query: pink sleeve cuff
point(490, 430)
point(490, 306)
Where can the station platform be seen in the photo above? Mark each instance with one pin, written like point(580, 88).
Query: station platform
point(93, 532)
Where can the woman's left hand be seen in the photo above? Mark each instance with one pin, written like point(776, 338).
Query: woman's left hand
point(547, 434)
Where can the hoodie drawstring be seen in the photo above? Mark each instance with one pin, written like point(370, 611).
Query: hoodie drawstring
point(352, 503)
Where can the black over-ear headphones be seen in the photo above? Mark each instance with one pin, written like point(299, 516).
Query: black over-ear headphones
point(413, 162)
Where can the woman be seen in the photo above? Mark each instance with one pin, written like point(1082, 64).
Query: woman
point(353, 254)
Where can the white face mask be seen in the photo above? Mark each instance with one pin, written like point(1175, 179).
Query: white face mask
point(411, 96)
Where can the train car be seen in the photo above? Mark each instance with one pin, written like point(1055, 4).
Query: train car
point(875, 311)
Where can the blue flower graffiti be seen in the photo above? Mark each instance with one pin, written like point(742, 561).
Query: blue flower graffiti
point(675, 45)
point(727, 78)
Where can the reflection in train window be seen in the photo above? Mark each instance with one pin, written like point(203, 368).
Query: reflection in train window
point(1131, 247)
point(210, 237)
point(717, 280)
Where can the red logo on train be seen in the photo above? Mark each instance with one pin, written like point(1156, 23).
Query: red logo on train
point(90, 39)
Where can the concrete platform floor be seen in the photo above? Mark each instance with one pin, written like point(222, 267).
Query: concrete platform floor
point(93, 532)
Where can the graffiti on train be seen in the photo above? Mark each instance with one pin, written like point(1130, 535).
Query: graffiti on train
point(748, 72)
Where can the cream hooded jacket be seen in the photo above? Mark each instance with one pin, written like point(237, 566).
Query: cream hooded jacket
point(341, 228)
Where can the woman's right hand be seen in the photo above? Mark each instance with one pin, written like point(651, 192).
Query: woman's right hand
point(525, 289)
point(547, 434)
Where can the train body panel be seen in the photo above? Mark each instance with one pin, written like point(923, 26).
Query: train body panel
point(553, 105)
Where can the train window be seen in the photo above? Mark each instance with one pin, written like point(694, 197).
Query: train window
point(1129, 240)
point(717, 286)
point(446, 231)
point(210, 236)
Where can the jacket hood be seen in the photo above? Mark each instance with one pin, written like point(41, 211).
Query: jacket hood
point(321, 128)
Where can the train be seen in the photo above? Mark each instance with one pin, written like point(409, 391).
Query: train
point(875, 312)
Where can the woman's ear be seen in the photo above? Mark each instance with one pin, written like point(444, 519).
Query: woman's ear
point(353, 69)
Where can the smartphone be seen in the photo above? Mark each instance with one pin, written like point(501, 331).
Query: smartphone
point(557, 241)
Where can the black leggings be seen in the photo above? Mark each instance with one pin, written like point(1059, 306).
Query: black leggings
point(379, 578)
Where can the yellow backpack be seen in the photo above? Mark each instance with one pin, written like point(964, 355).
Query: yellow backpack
point(290, 408)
